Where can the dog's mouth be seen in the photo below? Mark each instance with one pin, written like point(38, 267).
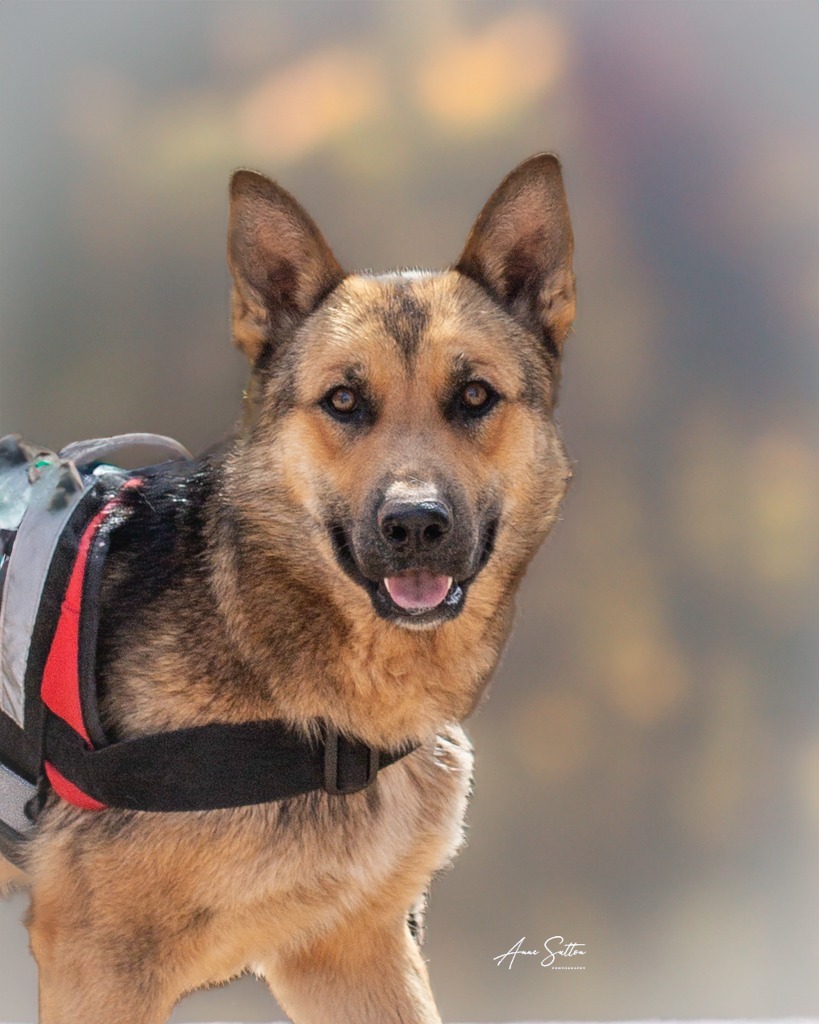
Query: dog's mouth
point(417, 590)
point(416, 596)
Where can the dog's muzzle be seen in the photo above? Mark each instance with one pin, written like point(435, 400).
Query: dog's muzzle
point(415, 558)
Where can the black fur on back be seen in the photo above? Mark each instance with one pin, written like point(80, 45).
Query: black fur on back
point(160, 546)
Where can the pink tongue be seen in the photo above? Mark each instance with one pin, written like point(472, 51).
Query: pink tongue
point(417, 589)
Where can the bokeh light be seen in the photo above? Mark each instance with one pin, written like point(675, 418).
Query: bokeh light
point(648, 763)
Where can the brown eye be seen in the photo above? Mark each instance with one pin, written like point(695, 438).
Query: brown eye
point(343, 400)
point(472, 401)
point(475, 395)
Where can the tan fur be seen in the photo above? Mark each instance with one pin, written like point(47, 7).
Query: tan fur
point(10, 875)
point(131, 910)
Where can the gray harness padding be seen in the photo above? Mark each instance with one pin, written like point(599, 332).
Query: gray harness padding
point(15, 793)
point(39, 492)
point(28, 566)
point(51, 499)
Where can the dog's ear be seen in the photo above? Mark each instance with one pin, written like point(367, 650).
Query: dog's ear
point(281, 265)
point(521, 249)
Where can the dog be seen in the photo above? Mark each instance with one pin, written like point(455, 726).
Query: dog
point(350, 556)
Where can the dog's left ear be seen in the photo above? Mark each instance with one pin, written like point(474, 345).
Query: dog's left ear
point(521, 249)
point(281, 265)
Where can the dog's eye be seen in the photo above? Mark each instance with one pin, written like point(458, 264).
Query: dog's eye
point(476, 398)
point(348, 404)
point(475, 395)
point(343, 400)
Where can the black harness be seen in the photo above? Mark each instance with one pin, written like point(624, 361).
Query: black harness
point(50, 728)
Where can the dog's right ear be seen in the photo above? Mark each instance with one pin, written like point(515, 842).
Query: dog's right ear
point(281, 265)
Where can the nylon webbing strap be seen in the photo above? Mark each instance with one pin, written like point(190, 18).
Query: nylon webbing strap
point(212, 766)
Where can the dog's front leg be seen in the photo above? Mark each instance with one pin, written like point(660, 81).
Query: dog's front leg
point(84, 978)
point(363, 974)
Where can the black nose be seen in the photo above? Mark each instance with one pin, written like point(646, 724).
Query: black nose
point(414, 526)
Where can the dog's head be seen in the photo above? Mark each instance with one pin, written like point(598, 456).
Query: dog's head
point(401, 451)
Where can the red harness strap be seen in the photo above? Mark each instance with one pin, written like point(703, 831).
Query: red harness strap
point(60, 689)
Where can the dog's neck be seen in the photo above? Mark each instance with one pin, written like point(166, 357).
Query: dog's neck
point(213, 622)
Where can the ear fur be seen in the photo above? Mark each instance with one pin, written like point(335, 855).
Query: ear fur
point(281, 265)
point(520, 249)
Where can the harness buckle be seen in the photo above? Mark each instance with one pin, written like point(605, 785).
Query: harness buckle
point(332, 748)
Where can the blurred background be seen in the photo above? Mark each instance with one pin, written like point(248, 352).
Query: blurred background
point(648, 764)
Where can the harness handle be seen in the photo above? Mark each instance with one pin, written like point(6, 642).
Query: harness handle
point(99, 449)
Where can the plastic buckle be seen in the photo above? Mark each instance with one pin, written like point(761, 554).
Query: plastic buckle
point(332, 742)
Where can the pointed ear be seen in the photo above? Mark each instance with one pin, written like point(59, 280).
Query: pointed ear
point(521, 249)
point(281, 265)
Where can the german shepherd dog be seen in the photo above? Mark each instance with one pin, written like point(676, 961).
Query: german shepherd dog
point(350, 557)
